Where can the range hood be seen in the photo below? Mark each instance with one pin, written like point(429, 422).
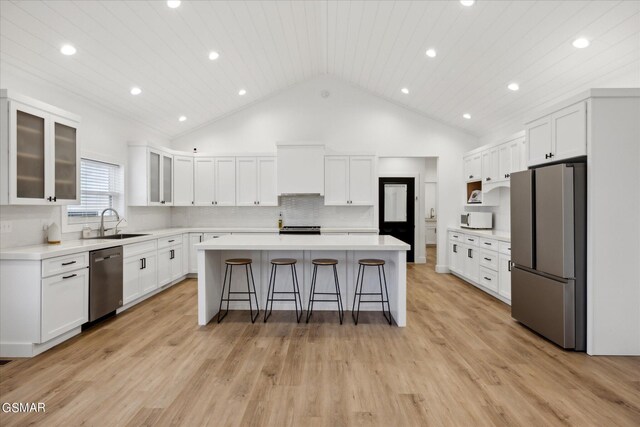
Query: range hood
point(300, 169)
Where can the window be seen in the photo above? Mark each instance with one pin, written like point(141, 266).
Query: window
point(99, 189)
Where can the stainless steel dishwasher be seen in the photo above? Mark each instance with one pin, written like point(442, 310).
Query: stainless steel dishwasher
point(105, 282)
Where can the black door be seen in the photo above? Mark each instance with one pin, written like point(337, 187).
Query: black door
point(397, 210)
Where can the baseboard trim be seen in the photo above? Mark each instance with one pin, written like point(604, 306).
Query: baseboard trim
point(442, 269)
point(421, 260)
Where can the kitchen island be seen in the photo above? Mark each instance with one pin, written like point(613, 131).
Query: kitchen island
point(304, 248)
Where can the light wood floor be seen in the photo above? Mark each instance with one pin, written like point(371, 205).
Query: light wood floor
point(461, 361)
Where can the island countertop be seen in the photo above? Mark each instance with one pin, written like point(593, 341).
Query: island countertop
point(305, 243)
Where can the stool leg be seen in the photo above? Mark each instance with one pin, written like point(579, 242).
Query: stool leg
point(356, 296)
point(255, 295)
point(338, 294)
point(299, 296)
point(295, 300)
point(273, 289)
point(312, 292)
point(361, 287)
point(224, 283)
point(269, 295)
point(386, 291)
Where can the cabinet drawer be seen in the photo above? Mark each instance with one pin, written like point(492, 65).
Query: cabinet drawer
point(489, 244)
point(489, 279)
point(459, 237)
point(471, 240)
point(140, 248)
point(65, 263)
point(505, 248)
point(165, 242)
point(209, 236)
point(489, 259)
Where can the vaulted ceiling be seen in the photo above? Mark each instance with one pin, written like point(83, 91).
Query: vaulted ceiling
point(267, 46)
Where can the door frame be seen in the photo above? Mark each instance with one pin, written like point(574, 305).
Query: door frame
point(418, 230)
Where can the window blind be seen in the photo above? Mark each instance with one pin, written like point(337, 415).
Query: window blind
point(99, 189)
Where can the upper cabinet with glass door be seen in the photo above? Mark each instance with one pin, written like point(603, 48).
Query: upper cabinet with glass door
point(40, 153)
point(150, 176)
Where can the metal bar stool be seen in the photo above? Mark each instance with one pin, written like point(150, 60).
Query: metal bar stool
point(229, 264)
point(313, 293)
point(272, 287)
point(360, 281)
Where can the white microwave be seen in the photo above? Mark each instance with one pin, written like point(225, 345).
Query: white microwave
point(476, 220)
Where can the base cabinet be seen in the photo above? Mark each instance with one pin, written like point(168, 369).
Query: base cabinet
point(169, 264)
point(65, 303)
point(482, 266)
point(140, 275)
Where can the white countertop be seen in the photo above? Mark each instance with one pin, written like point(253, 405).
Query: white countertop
point(489, 234)
point(44, 251)
point(305, 242)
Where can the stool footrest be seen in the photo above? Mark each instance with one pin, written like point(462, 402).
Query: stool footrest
point(377, 302)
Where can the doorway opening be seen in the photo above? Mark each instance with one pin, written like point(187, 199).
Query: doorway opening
point(397, 210)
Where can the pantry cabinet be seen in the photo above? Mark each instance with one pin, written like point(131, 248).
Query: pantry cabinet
point(349, 181)
point(40, 153)
point(558, 136)
point(256, 179)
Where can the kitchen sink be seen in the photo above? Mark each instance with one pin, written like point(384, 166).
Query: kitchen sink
point(119, 236)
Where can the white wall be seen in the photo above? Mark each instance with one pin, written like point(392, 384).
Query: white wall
point(350, 119)
point(102, 133)
point(613, 227)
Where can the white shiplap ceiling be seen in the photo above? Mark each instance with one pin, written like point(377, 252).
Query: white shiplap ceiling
point(378, 45)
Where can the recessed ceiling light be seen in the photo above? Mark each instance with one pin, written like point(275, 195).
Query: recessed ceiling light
point(136, 90)
point(467, 2)
point(466, 116)
point(404, 90)
point(242, 92)
point(581, 43)
point(513, 86)
point(213, 55)
point(67, 49)
point(173, 3)
point(431, 53)
point(182, 118)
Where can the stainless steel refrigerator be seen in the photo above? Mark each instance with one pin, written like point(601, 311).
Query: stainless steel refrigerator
point(548, 252)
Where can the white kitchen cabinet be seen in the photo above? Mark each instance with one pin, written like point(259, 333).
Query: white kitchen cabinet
point(140, 270)
point(569, 132)
point(65, 303)
point(300, 169)
point(490, 165)
point(256, 181)
point(225, 181)
point(183, 180)
point(510, 158)
point(185, 253)
point(170, 265)
point(431, 237)
point(539, 143)
point(456, 252)
point(473, 167)
point(471, 267)
point(150, 176)
point(504, 272)
point(349, 181)
point(40, 153)
point(194, 239)
point(204, 173)
point(558, 136)
point(215, 181)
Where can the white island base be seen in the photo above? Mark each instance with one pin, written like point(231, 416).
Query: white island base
point(304, 248)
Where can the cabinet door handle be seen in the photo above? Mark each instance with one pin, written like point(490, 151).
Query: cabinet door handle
point(486, 278)
point(487, 259)
point(141, 263)
point(469, 253)
point(509, 265)
point(171, 254)
point(488, 244)
point(470, 176)
point(70, 276)
point(488, 179)
point(471, 240)
point(455, 249)
point(200, 239)
point(55, 199)
point(69, 263)
point(172, 240)
point(546, 156)
point(550, 155)
point(49, 198)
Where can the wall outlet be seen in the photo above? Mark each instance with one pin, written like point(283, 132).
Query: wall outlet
point(6, 227)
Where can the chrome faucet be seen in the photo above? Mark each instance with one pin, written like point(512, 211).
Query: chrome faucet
point(102, 229)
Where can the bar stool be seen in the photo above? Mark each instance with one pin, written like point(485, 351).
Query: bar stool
point(313, 293)
point(360, 281)
point(272, 287)
point(229, 264)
